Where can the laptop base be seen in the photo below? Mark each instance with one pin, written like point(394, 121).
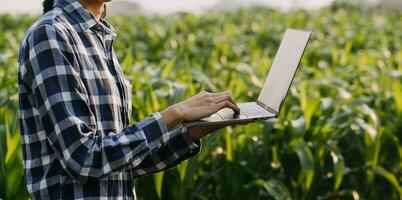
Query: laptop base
point(249, 112)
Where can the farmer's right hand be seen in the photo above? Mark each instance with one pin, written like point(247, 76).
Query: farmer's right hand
point(197, 107)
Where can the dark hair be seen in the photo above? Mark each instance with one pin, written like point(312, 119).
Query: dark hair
point(104, 12)
point(47, 5)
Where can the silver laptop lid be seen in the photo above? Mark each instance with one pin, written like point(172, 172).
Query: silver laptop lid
point(283, 69)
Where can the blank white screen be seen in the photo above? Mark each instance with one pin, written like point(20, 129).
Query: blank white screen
point(283, 68)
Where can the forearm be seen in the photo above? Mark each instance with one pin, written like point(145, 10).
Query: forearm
point(172, 116)
point(179, 147)
point(198, 132)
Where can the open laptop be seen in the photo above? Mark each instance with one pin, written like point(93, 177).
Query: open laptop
point(275, 89)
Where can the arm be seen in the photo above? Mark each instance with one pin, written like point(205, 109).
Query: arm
point(180, 147)
point(183, 144)
point(176, 150)
point(62, 104)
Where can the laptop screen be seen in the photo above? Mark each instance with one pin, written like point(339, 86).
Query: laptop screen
point(283, 68)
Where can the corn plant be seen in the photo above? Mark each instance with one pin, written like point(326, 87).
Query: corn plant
point(338, 135)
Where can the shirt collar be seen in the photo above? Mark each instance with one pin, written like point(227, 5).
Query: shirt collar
point(82, 17)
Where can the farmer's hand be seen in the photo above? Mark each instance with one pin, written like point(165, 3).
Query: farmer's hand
point(197, 107)
point(198, 132)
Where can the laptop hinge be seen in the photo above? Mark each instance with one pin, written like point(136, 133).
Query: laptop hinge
point(267, 108)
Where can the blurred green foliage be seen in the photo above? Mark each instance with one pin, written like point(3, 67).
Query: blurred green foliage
point(339, 135)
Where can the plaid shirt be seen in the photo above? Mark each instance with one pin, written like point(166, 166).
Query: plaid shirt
point(75, 106)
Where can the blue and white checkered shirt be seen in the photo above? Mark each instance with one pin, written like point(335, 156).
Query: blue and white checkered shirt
point(75, 106)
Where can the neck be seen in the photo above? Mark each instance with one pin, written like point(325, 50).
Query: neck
point(96, 8)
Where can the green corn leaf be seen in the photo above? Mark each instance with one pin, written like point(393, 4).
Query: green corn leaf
point(277, 190)
point(13, 141)
point(397, 92)
point(168, 68)
point(389, 177)
point(127, 62)
point(182, 168)
point(3, 152)
point(228, 141)
point(339, 167)
point(153, 98)
point(303, 95)
point(15, 173)
point(306, 160)
point(158, 181)
point(201, 77)
point(352, 66)
point(310, 110)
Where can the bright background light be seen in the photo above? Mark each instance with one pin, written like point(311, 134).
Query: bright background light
point(169, 6)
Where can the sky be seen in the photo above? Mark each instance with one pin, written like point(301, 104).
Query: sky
point(169, 6)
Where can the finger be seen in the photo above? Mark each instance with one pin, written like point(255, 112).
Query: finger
point(224, 96)
point(220, 93)
point(202, 94)
point(197, 96)
point(228, 104)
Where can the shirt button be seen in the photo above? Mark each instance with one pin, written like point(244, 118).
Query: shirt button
point(98, 27)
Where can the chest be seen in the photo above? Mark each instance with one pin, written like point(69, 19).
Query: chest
point(109, 92)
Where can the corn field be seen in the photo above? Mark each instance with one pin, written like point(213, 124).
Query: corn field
point(338, 136)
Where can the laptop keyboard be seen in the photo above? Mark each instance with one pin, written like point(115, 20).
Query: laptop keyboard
point(247, 111)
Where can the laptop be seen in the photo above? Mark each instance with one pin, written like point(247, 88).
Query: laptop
point(275, 89)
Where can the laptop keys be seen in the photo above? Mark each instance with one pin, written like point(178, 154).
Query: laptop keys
point(247, 111)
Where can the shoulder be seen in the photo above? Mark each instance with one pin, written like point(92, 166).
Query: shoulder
point(50, 29)
point(49, 34)
point(51, 23)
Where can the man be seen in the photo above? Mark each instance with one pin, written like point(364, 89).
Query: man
point(75, 106)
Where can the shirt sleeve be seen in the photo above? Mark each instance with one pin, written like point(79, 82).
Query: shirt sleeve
point(178, 148)
point(70, 126)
